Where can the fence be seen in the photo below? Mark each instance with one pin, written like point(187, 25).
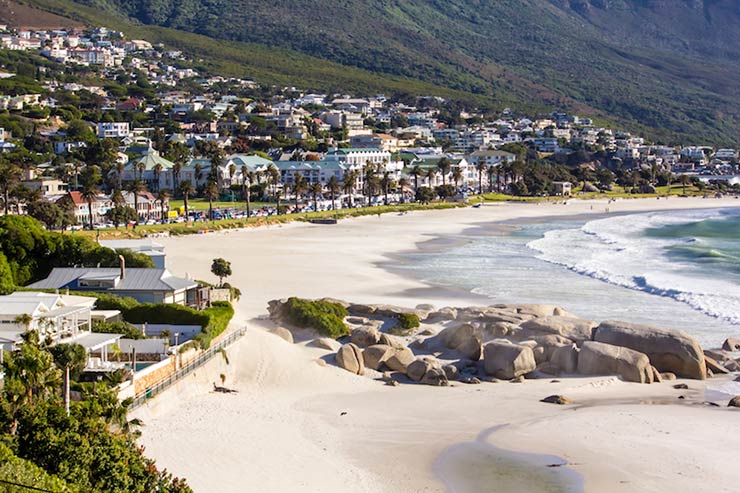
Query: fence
point(191, 366)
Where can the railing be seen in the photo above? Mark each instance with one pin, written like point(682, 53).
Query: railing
point(191, 366)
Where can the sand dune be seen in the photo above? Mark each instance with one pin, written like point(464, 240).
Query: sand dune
point(285, 431)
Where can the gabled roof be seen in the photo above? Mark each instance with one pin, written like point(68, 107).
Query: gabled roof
point(249, 161)
point(151, 158)
point(136, 279)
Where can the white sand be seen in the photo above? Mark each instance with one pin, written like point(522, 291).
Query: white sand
point(283, 432)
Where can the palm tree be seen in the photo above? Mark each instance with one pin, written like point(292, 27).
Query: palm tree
point(350, 178)
point(25, 320)
point(684, 180)
point(163, 197)
point(90, 194)
point(457, 175)
point(198, 172)
point(490, 171)
point(141, 167)
point(247, 177)
point(369, 177)
point(157, 172)
point(120, 168)
point(431, 176)
point(186, 189)
point(176, 170)
point(232, 172)
point(416, 172)
point(31, 373)
point(444, 166)
point(315, 190)
point(386, 183)
point(333, 187)
point(211, 193)
point(403, 183)
point(10, 177)
point(136, 187)
point(273, 176)
point(481, 167)
point(299, 187)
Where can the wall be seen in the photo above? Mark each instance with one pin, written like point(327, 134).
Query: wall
point(187, 332)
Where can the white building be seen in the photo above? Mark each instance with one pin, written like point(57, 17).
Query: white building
point(113, 130)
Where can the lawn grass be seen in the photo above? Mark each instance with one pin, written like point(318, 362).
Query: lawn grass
point(616, 193)
point(200, 204)
point(199, 227)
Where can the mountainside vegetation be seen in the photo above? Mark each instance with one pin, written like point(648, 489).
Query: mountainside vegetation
point(665, 68)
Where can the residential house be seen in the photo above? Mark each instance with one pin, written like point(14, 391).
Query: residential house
point(147, 206)
point(490, 158)
point(60, 319)
point(154, 170)
point(100, 207)
point(113, 130)
point(144, 285)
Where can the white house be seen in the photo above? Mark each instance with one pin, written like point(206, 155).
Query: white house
point(114, 130)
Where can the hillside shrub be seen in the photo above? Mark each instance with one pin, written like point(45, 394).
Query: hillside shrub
point(408, 321)
point(126, 329)
point(219, 314)
point(324, 316)
point(32, 252)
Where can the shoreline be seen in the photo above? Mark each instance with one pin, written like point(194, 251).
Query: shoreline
point(284, 431)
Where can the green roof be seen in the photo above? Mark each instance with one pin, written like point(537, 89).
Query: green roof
point(150, 159)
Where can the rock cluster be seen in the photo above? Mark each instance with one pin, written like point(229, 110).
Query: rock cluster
point(513, 342)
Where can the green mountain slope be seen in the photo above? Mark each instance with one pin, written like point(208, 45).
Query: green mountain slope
point(664, 65)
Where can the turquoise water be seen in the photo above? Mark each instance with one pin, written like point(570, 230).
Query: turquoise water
point(711, 246)
point(670, 269)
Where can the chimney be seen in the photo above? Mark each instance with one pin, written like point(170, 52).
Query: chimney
point(122, 261)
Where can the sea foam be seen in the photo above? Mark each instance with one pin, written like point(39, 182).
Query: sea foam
point(617, 250)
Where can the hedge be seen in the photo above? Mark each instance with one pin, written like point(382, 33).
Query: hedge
point(214, 320)
point(323, 316)
point(219, 314)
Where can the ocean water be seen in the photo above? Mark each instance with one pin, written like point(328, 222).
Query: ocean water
point(670, 269)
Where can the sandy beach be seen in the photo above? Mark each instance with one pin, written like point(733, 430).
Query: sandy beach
point(298, 424)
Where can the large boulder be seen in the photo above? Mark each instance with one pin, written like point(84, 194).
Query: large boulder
point(365, 336)
point(566, 358)
point(376, 355)
point(435, 377)
point(575, 329)
point(419, 367)
point(731, 344)
point(466, 339)
point(672, 351)
point(441, 315)
point(539, 310)
point(392, 341)
point(505, 360)
point(550, 343)
point(350, 358)
point(597, 358)
point(325, 343)
point(400, 360)
point(283, 333)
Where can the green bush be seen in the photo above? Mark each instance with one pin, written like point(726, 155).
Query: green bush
point(125, 328)
point(20, 471)
point(166, 314)
point(214, 320)
point(323, 316)
point(219, 314)
point(111, 302)
point(408, 321)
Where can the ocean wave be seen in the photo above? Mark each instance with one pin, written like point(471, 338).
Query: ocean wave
point(617, 251)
